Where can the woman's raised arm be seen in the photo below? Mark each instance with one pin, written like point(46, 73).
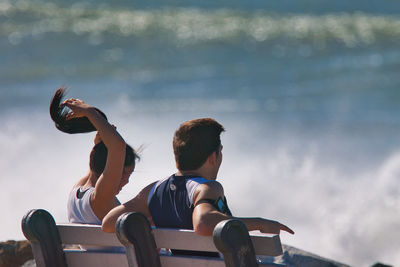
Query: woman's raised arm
point(107, 186)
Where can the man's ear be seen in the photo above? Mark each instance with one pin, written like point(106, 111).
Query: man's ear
point(212, 159)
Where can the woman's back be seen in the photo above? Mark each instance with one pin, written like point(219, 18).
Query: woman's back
point(78, 206)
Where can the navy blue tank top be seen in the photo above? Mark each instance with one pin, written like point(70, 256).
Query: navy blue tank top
point(171, 201)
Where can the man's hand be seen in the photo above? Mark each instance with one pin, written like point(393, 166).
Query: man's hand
point(274, 227)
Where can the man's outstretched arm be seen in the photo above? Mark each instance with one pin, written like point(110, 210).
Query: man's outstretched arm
point(206, 216)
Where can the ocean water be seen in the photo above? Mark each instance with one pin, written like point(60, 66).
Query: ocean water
point(308, 92)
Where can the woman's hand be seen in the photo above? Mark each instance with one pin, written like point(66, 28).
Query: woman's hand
point(78, 108)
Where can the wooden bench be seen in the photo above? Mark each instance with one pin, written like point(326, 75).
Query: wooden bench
point(136, 244)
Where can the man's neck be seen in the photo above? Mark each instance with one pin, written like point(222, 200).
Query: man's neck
point(195, 173)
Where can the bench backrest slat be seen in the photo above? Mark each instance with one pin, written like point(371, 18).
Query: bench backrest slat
point(182, 239)
point(85, 234)
point(267, 244)
point(188, 240)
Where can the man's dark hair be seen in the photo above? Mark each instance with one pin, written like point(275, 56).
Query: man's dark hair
point(194, 141)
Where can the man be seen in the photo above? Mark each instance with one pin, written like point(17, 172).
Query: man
point(190, 198)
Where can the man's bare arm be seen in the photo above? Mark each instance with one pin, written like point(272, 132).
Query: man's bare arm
point(206, 216)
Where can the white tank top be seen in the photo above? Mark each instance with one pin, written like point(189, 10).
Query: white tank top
point(79, 209)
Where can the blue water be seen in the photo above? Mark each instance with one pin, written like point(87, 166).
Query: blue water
point(307, 90)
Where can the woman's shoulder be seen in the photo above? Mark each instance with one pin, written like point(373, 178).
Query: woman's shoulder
point(81, 182)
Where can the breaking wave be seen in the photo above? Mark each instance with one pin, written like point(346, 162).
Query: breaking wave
point(190, 26)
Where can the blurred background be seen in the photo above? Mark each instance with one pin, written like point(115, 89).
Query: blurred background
point(307, 90)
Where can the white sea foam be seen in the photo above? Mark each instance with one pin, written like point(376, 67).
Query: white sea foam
point(350, 217)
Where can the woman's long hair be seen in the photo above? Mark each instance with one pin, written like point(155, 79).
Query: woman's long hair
point(58, 114)
point(98, 155)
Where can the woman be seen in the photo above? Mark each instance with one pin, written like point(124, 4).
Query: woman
point(112, 161)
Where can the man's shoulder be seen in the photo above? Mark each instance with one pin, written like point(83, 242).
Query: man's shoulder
point(208, 191)
point(212, 186)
